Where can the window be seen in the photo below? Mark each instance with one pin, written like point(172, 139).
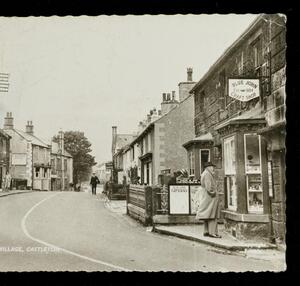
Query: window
point(230, 172)
point(192, 163)
point(257, 51)
point(253, 173)
point(37, 172)
point(65, 164)
point(201, 101)
point(229, 156)
point(240, 63)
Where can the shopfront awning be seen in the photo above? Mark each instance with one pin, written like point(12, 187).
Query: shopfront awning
point(207, 137)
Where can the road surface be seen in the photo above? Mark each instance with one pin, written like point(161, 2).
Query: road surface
point(74, 231)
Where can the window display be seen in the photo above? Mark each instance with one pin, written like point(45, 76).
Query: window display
point(230, 172)
point(253, 173)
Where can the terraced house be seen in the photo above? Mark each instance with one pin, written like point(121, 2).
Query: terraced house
point(29, 156)
point(4, 155)
point(240, 126)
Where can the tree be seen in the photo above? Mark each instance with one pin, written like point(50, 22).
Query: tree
point(79, 147)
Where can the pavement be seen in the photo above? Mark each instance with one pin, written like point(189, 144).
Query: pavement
point(227, 244)
point(13, 192)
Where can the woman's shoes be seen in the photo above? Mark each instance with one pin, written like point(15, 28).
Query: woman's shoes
point(205, 234)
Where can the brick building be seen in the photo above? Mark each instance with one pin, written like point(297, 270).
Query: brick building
point(245, 137)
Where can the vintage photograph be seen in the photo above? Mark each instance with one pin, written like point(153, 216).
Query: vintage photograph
point(143, 143)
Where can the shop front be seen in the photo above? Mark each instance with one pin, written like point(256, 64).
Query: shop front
point(246, 186)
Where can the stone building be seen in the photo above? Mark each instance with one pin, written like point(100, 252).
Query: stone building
point(160, 142)
point(61, 166)
point(119, 142)
point(4, 155)
point(240, 126)
point(29, 157)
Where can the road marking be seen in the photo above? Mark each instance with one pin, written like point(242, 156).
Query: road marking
point(23, 225)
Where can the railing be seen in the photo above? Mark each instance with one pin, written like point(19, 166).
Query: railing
point(160, 200)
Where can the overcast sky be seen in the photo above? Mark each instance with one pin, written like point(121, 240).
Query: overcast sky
point(89, 73)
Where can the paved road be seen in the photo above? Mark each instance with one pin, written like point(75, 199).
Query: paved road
point(90, 237)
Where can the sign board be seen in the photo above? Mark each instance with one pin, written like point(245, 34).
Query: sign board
point(109, 166)
point(179, 201)
point(18, 159)
point(243, 89)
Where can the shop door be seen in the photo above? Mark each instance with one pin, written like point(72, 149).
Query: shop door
point(204, 155)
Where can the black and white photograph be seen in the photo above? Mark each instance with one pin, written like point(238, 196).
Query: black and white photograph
point(143, 143)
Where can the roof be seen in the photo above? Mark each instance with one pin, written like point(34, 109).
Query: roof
point(55, 149)
point(227, 52)
point(201, 138)
point(28, 137)
point(254, 115)
point(4, 134)
point(124, 139)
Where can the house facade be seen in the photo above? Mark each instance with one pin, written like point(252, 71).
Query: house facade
point(61, 166)
point(160, 142)
point(4, 155)
point(29, 157)
point(240, 126)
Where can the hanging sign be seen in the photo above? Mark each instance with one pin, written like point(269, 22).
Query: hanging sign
point(243, 89)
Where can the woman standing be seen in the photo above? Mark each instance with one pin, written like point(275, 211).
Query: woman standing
point(208, 205)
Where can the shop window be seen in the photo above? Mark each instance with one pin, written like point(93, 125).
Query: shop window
point(230, 172)
point(192, 163)
point(253, 173)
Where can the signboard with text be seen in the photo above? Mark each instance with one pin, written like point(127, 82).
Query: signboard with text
point(179, 199)
point(182, 199)
point(243, 89)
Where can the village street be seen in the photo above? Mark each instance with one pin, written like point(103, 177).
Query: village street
point(90, 237)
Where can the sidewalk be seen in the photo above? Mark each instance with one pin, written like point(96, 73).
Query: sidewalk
point(14, 192)
point(195, 233)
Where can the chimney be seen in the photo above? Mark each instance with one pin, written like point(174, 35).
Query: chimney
point(8, 121)
point(189, 74)
point(29, 128)
point(164, 97)
point(114, 138)
point(168, 96)
point(159, 112)
point(61, 142)
point(173, 95)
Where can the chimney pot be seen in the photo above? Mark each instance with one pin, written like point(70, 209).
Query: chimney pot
point(168, 96)
point(189, 74)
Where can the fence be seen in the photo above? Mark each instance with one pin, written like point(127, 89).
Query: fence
point(151, 205)
point(139, 203)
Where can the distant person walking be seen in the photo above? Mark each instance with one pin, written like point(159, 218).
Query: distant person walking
point(94, 181)
point(208, 202)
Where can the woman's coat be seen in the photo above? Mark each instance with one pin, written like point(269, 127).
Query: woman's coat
point(207, 206)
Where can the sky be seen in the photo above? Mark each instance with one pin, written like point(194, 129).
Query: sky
point(90, 73)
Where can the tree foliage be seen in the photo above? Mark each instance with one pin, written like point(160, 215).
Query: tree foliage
point(79, 147)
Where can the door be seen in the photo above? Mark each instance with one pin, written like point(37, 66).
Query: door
point(204, 155)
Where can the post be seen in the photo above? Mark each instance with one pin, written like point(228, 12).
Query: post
point(148, 205)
